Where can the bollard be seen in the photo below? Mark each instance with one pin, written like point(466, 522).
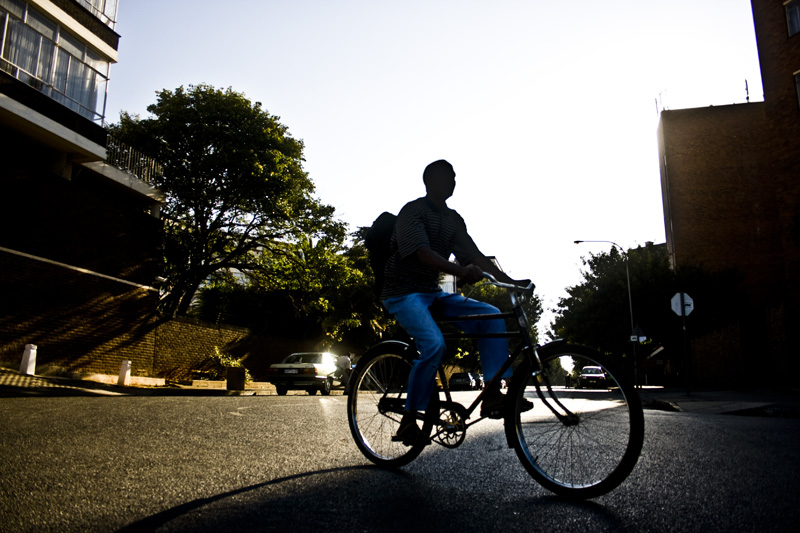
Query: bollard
point(28, 365)
point(124, 373)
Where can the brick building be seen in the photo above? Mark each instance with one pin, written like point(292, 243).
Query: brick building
point(731, 198)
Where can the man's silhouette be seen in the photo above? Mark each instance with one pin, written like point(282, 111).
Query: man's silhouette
point(426, 234)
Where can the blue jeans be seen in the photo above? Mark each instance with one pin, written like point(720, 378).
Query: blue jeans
point(412, 312)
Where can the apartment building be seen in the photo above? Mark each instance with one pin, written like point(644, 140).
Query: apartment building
point(79, 220)
point(731, 198)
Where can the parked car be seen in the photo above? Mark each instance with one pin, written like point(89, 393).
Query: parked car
point(309, 371)
point(465, 381)
point(592, 376)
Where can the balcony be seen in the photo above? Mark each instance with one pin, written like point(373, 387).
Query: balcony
point(131, 161)
point(126, 166)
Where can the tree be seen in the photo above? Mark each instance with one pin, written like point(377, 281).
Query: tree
point(233, 181)
point(597, 312)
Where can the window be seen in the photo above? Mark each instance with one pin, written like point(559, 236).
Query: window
point(797, 84)
point(39, 52)
point(793, 16)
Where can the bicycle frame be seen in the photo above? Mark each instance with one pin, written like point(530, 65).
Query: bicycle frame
point(525, 348)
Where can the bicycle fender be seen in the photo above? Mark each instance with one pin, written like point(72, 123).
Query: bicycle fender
point(400, 347)
point(551, 344)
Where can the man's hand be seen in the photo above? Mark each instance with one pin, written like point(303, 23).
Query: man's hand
point(471, 274)
point(468, 274)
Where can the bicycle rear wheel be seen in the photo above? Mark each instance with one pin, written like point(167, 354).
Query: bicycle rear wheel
point(375, 405)
point(576, 443)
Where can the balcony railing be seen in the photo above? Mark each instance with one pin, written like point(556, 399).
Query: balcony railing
point(105, 10)
point(132, 161)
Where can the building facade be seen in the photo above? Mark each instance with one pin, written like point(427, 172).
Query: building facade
point(731, 198)
point(79, 221)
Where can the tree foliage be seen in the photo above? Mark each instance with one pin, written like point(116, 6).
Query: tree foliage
point(234, 184)
point(597, 311)
point(318, 289)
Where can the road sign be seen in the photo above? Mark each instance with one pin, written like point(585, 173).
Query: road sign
point(638, 335)
point(682, 304)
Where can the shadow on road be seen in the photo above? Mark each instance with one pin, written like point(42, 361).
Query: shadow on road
point(368, 498)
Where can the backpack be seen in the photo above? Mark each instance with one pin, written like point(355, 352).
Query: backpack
point(378, 241)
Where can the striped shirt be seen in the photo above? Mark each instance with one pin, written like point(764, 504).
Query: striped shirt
point(419, 224)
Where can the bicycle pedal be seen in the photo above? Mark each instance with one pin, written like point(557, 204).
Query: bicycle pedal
point(494, 414)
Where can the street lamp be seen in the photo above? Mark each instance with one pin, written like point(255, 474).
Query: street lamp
point(630, 309)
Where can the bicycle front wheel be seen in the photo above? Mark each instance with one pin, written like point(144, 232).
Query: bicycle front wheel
point(375, 405)
point(576, 443)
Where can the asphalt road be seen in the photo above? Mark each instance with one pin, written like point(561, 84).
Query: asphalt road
point(268, 463)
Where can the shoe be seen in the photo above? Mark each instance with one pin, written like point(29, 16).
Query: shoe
point(409, 433)
point(525, 405)
point(494, 405)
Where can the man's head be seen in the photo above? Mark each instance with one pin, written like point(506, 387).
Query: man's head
point(440, 179)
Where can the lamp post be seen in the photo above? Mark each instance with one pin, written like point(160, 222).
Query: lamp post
point(630, 310)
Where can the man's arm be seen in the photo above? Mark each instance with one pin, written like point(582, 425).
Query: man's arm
point(470, 273)
point(487, 265)
point(428, 257)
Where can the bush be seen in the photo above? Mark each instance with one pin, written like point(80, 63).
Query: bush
point(217, 365)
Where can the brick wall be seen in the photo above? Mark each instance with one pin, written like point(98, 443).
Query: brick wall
point(87, 324)
point(79, 322)
point(716, 359)
point(183, 345)
point(718, 206)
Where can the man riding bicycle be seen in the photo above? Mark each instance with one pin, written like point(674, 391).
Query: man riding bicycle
point(426, 234)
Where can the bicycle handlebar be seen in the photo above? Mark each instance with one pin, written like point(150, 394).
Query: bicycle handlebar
point(510, 286)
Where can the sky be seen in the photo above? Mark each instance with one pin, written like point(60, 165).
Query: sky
point(547, 110)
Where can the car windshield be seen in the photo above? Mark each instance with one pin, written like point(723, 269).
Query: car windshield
point(592, 370)
point(314, 358)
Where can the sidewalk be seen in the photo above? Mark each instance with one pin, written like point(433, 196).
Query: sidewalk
point(759, 402)
point(15, 384)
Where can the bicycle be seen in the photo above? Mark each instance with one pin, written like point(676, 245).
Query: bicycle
point(577, 444)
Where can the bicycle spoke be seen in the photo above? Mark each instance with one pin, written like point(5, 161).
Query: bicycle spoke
point(589, 443)
point(375, 408)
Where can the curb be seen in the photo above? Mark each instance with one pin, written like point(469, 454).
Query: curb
point(15, 384)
